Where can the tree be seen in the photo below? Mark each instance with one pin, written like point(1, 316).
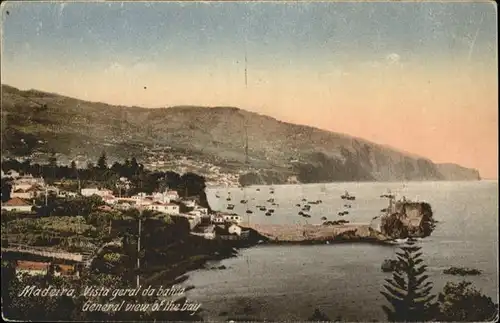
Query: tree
point(462, 302)
point(134, 166)
point(102, 162)
point(408, 291)
point(52, 160)
point(73, 171)
point(319, 316)
point(52, 167)
point(6, 187)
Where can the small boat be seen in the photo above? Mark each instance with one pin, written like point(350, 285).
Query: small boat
point(346, 212)
point(263, 208)
point(274, 204)
point(271, 210)
point(243, 201)
point(271, 192)
point(347, 206)
point(312, 202)
point(306, 215)
point(249, 211)
point(301, 213)
point(228, 199)
point(388, 195)
point(258, 189)
point(217, 195)
point(306, 208)
point(346, 196)
point(384, 210)
point(323, 218)
point(304, 200)
point(268, 214)
point(270, 200)
point(297, 205)
point(230, 206)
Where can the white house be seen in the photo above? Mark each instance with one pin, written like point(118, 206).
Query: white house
point(166, 208)
point(233, 218)
point(218, 219)
point(24, 192)
point(32, 268)
point(158, 206)
point(17, 205)
point(234, 229)
point(172, 195)
point(124, 205)
point(172, 209)
point(66, 194)
point(21, 186)
point(161, 197)
point(96, 191)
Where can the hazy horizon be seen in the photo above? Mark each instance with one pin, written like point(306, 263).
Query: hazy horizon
point(418, 77)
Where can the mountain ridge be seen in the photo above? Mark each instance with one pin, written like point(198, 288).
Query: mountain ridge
point(277, 149)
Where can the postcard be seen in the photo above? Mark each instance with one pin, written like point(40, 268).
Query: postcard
point(223, 161)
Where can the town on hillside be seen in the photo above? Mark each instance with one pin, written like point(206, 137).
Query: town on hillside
point(68, 209)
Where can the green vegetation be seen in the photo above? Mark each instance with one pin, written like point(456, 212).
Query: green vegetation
point(141, 179)
point(462, 302)
point(168, 251)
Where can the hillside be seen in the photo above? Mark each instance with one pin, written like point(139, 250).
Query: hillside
point(34, 121)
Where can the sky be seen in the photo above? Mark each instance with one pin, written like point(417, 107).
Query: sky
point(418, 76)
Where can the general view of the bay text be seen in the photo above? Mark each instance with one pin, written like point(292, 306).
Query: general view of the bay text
point(249, 161)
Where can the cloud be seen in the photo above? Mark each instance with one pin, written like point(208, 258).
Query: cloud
point(393, 58)
point(114, 68)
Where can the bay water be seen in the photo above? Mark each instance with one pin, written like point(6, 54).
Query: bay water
point(281, 283)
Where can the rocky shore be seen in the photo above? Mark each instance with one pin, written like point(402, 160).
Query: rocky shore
point(314, 234)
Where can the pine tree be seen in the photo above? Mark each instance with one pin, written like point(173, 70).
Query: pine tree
point(408, 291)
point(102, 163)
point(52, 167)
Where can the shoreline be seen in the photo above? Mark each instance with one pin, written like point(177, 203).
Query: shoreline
point(349, 182)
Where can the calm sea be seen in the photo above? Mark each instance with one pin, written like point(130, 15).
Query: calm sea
point(289, 282)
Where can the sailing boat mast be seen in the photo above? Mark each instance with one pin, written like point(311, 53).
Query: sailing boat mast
point(246, 145)
point(246, 75)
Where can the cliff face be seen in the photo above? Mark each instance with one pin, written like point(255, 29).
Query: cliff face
point(38, 121)
point(453, 172)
